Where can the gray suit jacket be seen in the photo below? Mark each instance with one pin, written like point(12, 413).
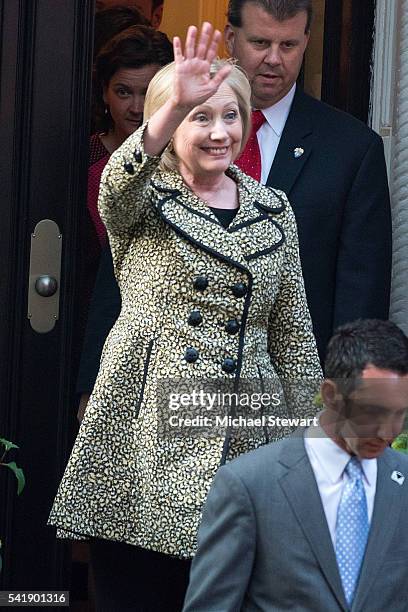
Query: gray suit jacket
point(264, 543)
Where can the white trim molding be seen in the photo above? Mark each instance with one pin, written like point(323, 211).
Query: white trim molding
point(384, 69)
point(390, 119)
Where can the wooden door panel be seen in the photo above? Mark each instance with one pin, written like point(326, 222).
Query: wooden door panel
point(45, 73)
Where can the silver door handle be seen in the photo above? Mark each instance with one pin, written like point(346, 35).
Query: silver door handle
point(44, 279)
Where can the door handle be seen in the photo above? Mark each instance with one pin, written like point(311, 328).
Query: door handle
point(46, 285)
point(44, 276)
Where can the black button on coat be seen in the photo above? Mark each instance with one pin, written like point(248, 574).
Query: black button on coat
point(232, 327)
point(201, 283)
point(239, 290)
point(191, 355)
point(195, 318)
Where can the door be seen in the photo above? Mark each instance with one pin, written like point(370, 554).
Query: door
point(45, 66)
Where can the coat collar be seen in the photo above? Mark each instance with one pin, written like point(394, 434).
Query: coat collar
point(254, 232)
point(297, 134)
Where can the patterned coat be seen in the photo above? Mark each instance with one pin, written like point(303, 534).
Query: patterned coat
point(125, 481)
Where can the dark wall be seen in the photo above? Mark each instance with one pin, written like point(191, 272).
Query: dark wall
point(348, 43)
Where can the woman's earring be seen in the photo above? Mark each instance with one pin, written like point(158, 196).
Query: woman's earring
point(106, 110)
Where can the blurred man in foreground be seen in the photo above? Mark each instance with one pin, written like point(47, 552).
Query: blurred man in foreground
point(318, 521)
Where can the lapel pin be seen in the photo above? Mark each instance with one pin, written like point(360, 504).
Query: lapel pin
point(397, 477)
point(298, 152)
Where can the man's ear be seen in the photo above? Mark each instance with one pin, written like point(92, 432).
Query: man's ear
point(229, 37)
point(330, 394)
point(157, 16)
point(307, 38)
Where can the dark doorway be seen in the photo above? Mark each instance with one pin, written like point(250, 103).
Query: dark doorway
point(45, 94)
point(348, 45)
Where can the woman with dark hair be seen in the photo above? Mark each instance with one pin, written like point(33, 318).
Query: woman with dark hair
point(112, 21)
point(151, 9)
point(122, 72)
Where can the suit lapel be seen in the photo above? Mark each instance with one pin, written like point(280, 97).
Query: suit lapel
point(254, 232)
point(386, 514)
point(297, 134)
point(301, 491)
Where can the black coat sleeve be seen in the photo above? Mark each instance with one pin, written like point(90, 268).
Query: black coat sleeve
point(363, 274)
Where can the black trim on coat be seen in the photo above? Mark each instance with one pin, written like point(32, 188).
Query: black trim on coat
point(200, 245)
point(265, 207)
point(272, 248)
point(208, 217)
point(173, 192)
point(244, 317)
point(145, 372)
point(262, 411)
point(235, 228)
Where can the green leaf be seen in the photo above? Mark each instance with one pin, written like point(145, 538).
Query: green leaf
point(18, 473)
point(7, 445)
point(317, 400)
point(401, 443)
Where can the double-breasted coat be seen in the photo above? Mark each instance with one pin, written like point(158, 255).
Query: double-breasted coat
point(198, 302)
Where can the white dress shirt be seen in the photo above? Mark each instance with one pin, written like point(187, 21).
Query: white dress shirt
point(328, 462)
point(269, 134)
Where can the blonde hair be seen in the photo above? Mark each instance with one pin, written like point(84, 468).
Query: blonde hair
point(160, 88)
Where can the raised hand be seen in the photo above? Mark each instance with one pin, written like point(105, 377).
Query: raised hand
point(192, 85)
point(192, 81)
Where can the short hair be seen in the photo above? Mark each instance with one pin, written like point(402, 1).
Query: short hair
point(159, 91)
point(361, 343)
point(111, 21)
point(279, 9)
point(135, 47)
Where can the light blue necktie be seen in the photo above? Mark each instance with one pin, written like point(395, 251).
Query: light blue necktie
point(352, 528)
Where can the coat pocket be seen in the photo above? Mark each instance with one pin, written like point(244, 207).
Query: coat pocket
point(145, 373)
point(262, 386)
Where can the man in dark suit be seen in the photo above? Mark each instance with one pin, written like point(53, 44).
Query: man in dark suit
point(317, 521)
point(330, 165)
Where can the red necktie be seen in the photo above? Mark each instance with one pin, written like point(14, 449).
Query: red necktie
point(250, 159)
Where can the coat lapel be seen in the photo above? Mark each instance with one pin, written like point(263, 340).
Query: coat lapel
point(297, 134)
point(254, 232)
point(301, 491)
point(386, 515)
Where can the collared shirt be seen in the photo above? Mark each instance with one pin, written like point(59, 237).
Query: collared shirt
point(328, 462)
point(269, 134)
